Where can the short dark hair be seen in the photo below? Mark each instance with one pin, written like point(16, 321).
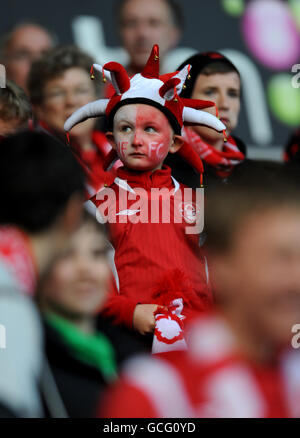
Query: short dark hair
point(259, 186)
point(14, 103)
point(38, 175)
point(52, 65)
point(207, 63)
point(175, 9)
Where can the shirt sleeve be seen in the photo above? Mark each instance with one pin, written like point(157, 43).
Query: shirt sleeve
point(120, 309)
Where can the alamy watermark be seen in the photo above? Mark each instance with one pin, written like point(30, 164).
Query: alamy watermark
point(2, 76)
point(296, 79)
point(296, 338)
point(2, 337)
point(157, 205)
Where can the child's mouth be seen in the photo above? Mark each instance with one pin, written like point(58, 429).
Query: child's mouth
point(137, 155)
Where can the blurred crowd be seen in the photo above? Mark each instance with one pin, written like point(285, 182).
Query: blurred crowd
point(141, 319)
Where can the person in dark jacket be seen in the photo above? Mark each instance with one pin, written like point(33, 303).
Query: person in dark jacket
point(212, 78)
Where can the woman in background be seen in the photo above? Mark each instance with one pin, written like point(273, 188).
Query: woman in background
point(83, 350)
point(59, 83)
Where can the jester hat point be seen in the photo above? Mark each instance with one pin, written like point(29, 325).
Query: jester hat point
point(148, 87)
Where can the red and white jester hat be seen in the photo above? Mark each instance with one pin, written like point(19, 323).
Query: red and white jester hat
point(149, 88)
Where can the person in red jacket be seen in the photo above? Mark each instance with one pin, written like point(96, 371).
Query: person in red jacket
point(243, 359)
point(152, 243)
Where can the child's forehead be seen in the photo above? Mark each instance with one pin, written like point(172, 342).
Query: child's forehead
point(139, 112)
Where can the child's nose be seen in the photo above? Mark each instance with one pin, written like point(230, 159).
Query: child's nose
point(137, 139)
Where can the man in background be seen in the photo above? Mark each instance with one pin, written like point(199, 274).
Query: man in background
point(143, 23)
point(20, 46)
point(240, 361)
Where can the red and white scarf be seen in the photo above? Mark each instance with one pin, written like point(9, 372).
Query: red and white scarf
point(222, 161)
point(17, 257)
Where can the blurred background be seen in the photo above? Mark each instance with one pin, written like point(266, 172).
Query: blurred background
point(261, 37)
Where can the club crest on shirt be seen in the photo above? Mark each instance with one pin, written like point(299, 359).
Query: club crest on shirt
point(189, 211)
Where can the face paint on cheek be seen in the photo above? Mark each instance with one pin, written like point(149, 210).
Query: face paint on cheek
point(162, 150)
point(153, 144)
point(157, 151)
point(122, 147)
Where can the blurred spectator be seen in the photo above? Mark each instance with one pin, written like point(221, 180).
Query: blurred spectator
point(240, 362)
point(24, 43)
point(59, 83)
point(143, 24)
point(41, 199)
point(83, 349)
point(212, 77)
point(15, 109)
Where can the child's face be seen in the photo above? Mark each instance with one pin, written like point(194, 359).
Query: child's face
point(143, 137)
point(78, 282)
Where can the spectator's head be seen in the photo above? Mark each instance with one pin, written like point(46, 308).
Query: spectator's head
point(41, 190)
point(58, 84)
point(20, 47)
point(253, 238)
point(77, 283)
point(144, 23)
point(15, 109)
point(213, 77)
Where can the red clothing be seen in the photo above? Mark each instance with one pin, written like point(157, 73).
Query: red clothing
point(17, 256)
point(146, 252)
point(223, 162)
point(210, 380)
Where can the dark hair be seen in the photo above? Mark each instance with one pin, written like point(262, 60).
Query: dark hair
point(174, 7)
point(52, 65)
point(38, 175)
point(207, 63)
point(260, 186)
point(14, 103)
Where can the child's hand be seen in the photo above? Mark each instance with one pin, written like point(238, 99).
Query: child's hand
point(143, 318)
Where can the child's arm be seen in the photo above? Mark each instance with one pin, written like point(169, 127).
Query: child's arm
point(123, 310)
point(130, 312)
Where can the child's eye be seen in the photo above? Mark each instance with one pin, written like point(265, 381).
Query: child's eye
point(150, 129)
point(125, 128)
